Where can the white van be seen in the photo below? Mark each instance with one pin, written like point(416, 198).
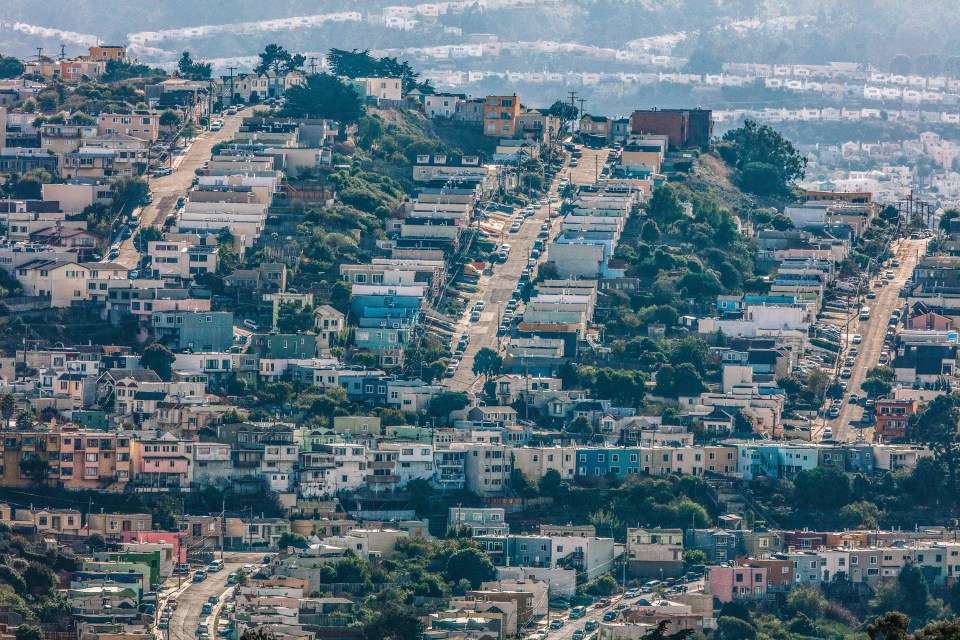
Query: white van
point(215, 566)
point(865, 313)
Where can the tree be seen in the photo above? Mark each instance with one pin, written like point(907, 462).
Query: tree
point(256, 633)
point(936, 426)
point(35, 468)
point(169, 119)
point(650, 232)
point(29, 632)
point(664, 207)
point(806, 601)
point(924, 482)
point(551, 483)
point(487, 363)
point(742, 422)
point(874, 387)
point(470, 564)
point(860, 515)
point(881, 373)
point(40, 579)
point(8, 406)
point(762, 155)
point(159, 359)
point(324, 96)
point(687, 381)
point(564, 112)
point(445, 403)
point(277, 59)
point(11, 67)
point(30, 185)
point(96, 542)
point(729, 628)
point(821, 489)
point(129, 192)
point(420, 495)
point(692, 350)
point(693, 557)
point(290, 539)
point(393, 620)
point(659, 632)
point(188, 68)
point(937, 630)
point(913, 591)
point(761, 178)
point(294, 317)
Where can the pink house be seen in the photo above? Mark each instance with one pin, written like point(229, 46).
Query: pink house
point(167, 537)
point(738, 582)
point(931, 321)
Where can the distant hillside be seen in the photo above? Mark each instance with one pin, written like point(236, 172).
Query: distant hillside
point(717, 31)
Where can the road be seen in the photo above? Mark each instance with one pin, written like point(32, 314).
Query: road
point(167, 189)
point(496, 289)
point(873, 332)
point(192, 595)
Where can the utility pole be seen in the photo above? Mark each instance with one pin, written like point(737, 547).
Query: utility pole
point(39, 55)
point(223, 526)
point(313, 65)
point(231, 70)
point(63, 51)
point(581, 101)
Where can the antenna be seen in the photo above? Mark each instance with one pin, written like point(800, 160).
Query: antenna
point(39, 55)
point(63, 51)
point(313, 65)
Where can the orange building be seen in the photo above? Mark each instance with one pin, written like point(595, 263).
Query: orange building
point(892, 418)
point(109, 52)
point(500, 115)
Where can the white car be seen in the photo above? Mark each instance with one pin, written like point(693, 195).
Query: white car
point(857, 338)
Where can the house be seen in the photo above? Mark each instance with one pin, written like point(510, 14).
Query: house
point(684, 128)
point(737, 582)
point(655, 552)
point(596, 126)
point(193, 330)
point(329, 324)
point(483, 521)
point(497, 415)
point(893, 417)
point(500, 115)
point(140, 123)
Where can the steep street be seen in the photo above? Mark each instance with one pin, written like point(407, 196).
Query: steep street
point(167, 189)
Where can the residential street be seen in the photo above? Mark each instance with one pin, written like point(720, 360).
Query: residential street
point(873, 332)
point(167, 189)
point(192, 595)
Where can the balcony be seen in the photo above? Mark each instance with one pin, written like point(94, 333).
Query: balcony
point(388, 479)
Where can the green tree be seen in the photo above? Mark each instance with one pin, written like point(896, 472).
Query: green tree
point(290, 539)
point(924, 482)
point(551, 483)
point(692, 557)
point(256, 633)
point(650, 232)
point(664, 207)
point(40, 579)
point(169, 119)
point(28, 632)
point(881, 373)
point(766, 161)
point(189, 68)
point(806, 601)
point(821, 489)
point(913, 592)
point(35, 468)
point(937, 630)
point(96, 542)
point(129, 192)
point(742, 422)
point(936, 426)
point(159, 359)
point(393, 621)
point(420, 495)
point(443, 404)
point(324, 96)
point(487, 363)
point(659, 632)
point(860, 515)
point(8, 406)
point(687, 380)
point(470, 564)
point(294, 317)
point(729, 628)
point(692, 350)
point(564, 112)
point(875, 387)
point(11, 67)
point(277, 59)
point(30, 185)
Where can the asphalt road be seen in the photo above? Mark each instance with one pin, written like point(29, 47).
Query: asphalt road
point(496, 290)
point(167, 189)
point(192, 595)
point(873, 332)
